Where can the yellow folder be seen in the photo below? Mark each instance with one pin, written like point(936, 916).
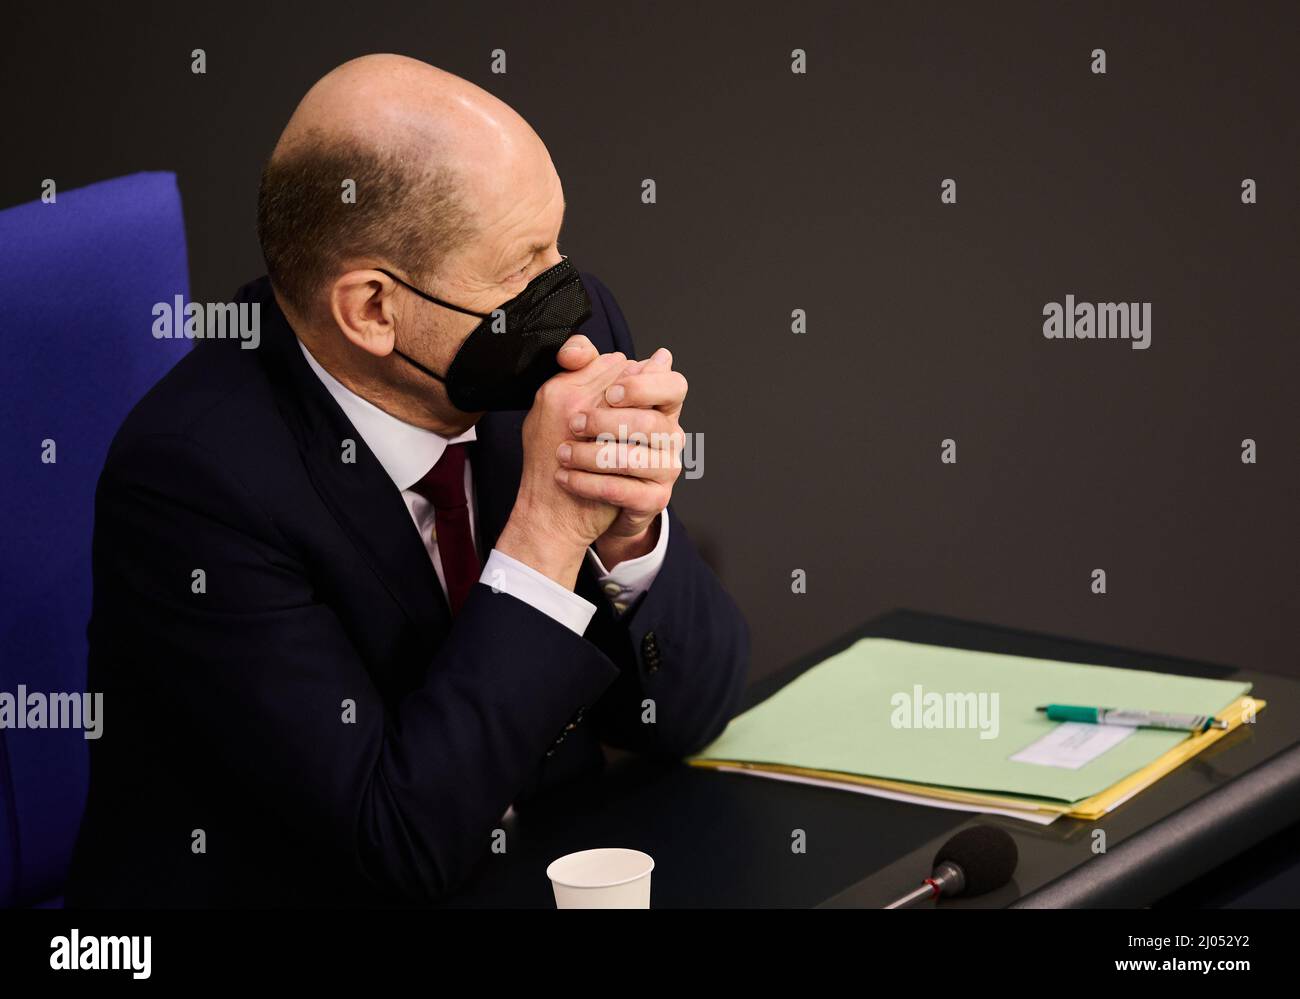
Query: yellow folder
point(1093, 807)
point(952, 725)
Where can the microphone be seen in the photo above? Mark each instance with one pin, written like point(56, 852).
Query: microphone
point(975, 861)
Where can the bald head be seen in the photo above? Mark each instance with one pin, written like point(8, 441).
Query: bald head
point(434, 160)
point(407, 107)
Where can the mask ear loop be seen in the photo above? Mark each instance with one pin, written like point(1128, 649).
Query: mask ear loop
point(430, 298)
point(416, 364)
point(436, 301)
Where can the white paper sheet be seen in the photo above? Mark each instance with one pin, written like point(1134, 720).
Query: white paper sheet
point(1037, 818)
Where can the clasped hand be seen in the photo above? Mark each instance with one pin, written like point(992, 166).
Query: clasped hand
point(602, 451)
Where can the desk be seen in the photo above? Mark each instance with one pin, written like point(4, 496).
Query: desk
point(723, 840)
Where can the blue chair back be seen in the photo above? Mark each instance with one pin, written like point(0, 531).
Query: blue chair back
point(79, 278)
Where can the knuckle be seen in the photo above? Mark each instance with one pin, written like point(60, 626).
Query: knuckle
point(546, 394)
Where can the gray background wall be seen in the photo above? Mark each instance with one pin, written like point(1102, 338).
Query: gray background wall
point(821, 192)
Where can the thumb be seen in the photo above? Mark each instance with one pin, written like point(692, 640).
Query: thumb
point(576, 353)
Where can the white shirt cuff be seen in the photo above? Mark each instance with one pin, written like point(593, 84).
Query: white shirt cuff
point(625, 583)
point(508, 575)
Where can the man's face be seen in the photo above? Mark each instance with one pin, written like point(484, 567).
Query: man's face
point(519, 212)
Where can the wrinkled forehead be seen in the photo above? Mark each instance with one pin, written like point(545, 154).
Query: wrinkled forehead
point(519, 212)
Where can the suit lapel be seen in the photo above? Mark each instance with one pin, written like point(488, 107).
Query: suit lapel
point(359, 493)
point(370, 509)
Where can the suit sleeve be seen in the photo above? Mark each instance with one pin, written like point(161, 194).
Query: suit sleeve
point(682, 650)
point(263, 678)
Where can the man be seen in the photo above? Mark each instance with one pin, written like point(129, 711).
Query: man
point(343, 624)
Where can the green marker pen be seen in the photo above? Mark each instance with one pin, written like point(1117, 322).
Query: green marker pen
point(1132, 718)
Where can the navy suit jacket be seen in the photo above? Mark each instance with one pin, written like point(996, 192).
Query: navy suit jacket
point(291, 714)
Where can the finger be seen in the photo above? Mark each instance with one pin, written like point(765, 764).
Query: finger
point(634, 495)
point(615, 457)
point(660, 360)
point(636, 425)
point(633, 367)
point(649, 390)
point(576, 353)
point(602, 371)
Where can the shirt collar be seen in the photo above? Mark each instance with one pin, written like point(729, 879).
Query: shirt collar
point(406, 451)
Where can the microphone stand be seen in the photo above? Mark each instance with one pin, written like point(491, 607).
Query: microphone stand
point(948, 879)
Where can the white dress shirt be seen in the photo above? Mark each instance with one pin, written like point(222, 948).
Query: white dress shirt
point(407, 452)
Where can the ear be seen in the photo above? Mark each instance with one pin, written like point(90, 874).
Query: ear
point(363, 305)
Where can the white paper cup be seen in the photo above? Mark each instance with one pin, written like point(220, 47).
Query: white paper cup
point(611, 878)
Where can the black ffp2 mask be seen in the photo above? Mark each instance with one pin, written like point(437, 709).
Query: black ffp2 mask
point(505, 360)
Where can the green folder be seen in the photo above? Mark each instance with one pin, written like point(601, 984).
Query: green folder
point(857, 713)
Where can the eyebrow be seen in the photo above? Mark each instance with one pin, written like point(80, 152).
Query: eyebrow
point(533, 249)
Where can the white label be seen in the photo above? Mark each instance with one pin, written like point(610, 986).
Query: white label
point(1072, 744)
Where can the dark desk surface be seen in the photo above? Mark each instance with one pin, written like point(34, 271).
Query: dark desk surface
point(724, 840)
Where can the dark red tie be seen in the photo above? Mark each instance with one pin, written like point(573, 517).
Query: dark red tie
point(444, 486)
